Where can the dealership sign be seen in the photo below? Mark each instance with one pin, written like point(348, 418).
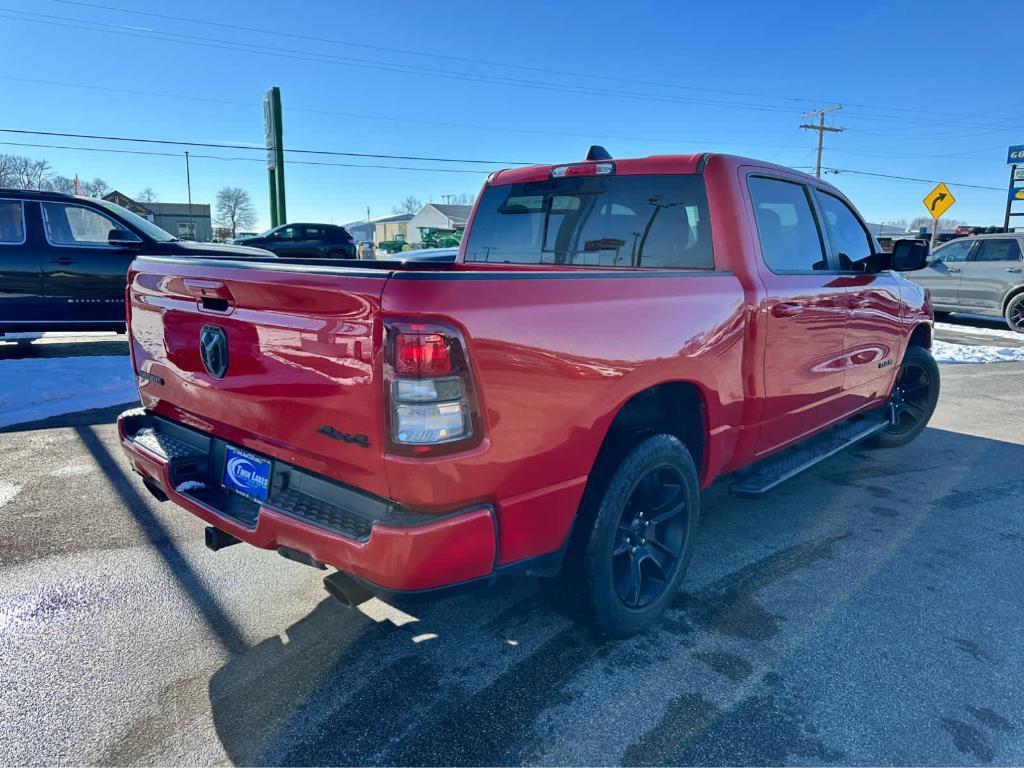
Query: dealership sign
point(1015, 155)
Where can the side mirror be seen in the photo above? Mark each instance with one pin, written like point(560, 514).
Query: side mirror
point(908, 255)
point(122, 238)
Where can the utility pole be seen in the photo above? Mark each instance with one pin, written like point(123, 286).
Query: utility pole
point(821, 128)
point(188, 182)
point(447, 199)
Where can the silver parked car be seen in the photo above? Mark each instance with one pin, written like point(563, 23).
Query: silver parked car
point(983, 274)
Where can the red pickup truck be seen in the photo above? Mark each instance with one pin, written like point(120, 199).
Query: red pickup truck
point(614, 335)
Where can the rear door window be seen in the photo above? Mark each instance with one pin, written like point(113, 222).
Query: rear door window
point(997, 250)
point(12, 222)
point(786, 226)
point(599, 221)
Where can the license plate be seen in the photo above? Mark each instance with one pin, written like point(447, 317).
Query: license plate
point(247, 474)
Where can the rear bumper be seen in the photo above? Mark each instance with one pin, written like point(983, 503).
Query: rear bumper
point(391, 550)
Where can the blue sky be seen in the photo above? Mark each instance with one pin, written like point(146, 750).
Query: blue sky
point(934, 100)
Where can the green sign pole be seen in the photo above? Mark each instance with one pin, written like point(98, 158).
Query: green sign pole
point(279, 146)
point(273, 197)
point(274, 134)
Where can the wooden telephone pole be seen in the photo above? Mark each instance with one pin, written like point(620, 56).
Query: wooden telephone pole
point(821, 128)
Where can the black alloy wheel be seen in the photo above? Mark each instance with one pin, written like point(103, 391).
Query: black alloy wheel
point(650, 536)
point(624, 567)
point(912, 401)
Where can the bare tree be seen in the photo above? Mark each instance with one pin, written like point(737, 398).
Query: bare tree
point(62, 184)
point(8, 163)
point(465, 198)
point(146, 196)
point(27, 173)
point(409, 205)
point(95, 188)
point(235, 210)
point(944, 225)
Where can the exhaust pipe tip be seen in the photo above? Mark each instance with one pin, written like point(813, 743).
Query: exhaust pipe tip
point(216, 539)
point(154, 489)
point(346, 590)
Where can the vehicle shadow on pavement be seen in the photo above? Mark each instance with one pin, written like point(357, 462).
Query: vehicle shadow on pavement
point(15, 351)
point(129, 490)
point(499, 678)
point(87, 418)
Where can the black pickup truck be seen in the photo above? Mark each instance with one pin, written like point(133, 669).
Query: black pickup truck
point(64, 260)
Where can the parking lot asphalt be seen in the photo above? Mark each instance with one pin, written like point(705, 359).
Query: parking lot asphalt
point(866, 612)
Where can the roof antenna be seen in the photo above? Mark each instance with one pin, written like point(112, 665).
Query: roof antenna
point(597, 152)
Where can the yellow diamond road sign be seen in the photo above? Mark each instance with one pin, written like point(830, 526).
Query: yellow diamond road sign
point(939, 200)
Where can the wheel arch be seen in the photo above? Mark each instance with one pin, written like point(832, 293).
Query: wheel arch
point(921, 336)
point(1011, 295)
point(678, 408)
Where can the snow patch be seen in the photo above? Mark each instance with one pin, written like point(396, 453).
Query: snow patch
point(189, 485)
point(7, 492)
point(42, 387)
point(973, 330)
point(944, 352)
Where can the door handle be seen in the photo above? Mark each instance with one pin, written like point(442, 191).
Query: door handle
point(1017, 270)
point(65, 260)
point(953, 269)
point(858, 302)
point(787, 309)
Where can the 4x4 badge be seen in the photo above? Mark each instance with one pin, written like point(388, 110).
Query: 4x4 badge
point(346, 437)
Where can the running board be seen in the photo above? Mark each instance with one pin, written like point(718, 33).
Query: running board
point(770, 472)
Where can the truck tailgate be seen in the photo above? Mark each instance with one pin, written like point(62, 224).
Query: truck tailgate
point(302, 343)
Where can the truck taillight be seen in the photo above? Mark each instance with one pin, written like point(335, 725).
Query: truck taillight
point(431, 402)
point(422, 353)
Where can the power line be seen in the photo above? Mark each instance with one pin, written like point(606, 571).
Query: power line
point(438, 170)
point(910, 178)
point(289, 53)
point(376, 117)
point(225, 145)
point(279, 33)
point(208, 42)
point(426, 54)
point(193, 156)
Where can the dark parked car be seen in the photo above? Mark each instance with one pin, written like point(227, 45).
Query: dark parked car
point(983, 274)
point(305, 241)
point(64, 260)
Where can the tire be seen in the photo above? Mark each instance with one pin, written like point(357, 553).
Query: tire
point(914, 395)
point(639, 544)
point(1015, 313)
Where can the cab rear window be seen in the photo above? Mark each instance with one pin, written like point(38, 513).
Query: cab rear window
point(598, 221)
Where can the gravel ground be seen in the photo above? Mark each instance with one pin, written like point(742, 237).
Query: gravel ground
point(866, 612)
